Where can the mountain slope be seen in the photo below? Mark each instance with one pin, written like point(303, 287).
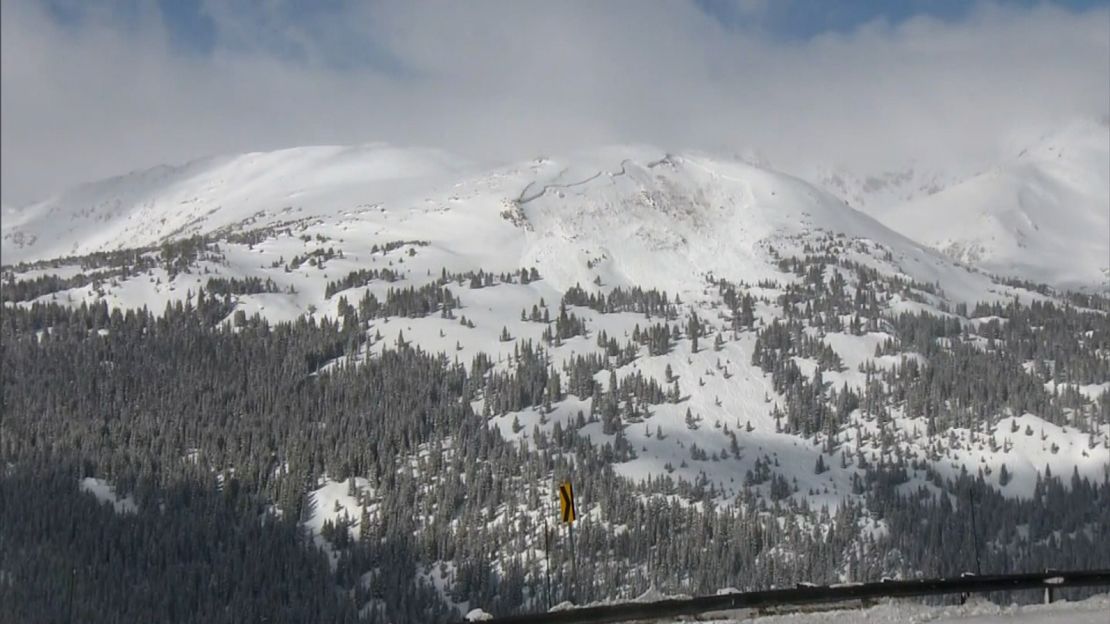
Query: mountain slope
point(878, 191)
point(645, 217)
point(151, 206)
point(310, 224)
point(707, 348)
point(1043, 216)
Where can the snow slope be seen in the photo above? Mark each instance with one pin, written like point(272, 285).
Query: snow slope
point(147, 207)
point(878, 191)
point(628, 216)
point(657, 220)
point(647, 217)
point(1043, 215)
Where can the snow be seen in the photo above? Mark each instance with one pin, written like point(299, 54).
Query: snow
point(622, 216)
point(650, 218)
point(1030, 453)
point(441, 576)
point(1093, 392)
point(478, 615)
point(333, 502)
point(856, 351)
point(105, 492)
point(1093, 610)
point(976, 609)
point(146, 207)
point(1044, 215)
point(874, 191)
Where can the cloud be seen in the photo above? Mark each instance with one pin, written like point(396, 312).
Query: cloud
point(500, 81)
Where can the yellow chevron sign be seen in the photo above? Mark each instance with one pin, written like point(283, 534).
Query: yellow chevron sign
point(566, 500)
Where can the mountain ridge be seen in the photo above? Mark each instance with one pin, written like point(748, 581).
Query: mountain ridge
point(695, 341)
point(1009, 202)
point(1043, 215)
point(258, 189)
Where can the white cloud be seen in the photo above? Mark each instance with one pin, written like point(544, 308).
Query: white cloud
point(512, 80)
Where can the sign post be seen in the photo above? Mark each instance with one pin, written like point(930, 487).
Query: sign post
point(570, 514)
point(547, 558)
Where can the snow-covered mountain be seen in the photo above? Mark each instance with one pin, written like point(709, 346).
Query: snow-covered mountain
point(717, 334)
point(620, 217)
point(642, 216)
point(878, 191)
point(154, 205)
point(1042, 215)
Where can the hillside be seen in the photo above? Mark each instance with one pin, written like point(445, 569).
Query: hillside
point(661, 218)
point(398, 353)
point(155, 205)
point(875, 192)
point(1043, 215)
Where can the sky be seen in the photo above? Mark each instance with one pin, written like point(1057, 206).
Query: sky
point(96, 88)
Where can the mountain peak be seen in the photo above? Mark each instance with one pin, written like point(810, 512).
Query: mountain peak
point(681, 211)
point(1043, 215)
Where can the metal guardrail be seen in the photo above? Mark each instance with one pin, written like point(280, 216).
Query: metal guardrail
point(811, 595)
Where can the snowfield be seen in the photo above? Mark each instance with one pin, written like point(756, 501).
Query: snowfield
point(1042, 216)
point(639, 214)
point(147, 207)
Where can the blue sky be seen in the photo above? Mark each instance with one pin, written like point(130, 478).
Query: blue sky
point(92, 88)
point(192, 28)
point(803, 19)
